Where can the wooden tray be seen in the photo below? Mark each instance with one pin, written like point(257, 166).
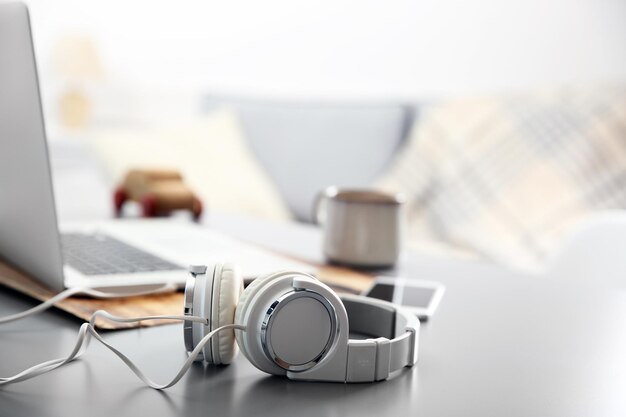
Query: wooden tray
point(341, 279)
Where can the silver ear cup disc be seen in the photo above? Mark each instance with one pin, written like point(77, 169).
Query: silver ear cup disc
point(298, 330)
point(188, 311)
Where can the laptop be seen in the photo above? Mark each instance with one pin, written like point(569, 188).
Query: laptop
point(111, 254)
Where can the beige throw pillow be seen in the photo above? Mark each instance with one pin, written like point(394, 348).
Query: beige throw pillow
point(507, 176)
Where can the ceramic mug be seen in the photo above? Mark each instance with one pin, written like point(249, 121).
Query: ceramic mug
point(362, 227)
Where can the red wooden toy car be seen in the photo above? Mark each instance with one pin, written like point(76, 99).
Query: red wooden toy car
point(159, 192)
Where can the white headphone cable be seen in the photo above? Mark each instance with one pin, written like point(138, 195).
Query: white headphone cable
point(83, 290)
point(87, 330)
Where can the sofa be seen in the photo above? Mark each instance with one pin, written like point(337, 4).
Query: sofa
point(306, 146)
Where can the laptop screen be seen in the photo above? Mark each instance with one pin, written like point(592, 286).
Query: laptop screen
point(29, 237)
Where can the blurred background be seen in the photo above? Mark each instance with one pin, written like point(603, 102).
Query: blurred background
point(262, 104)
point(157, 58)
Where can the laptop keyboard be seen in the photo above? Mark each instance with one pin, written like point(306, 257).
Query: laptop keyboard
point(97, 254)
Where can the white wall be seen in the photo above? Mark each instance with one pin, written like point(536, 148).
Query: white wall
point(345, 48)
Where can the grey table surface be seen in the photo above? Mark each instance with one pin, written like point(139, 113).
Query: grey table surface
point(501, 344)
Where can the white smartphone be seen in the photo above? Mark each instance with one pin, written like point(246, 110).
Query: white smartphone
point(418, 296)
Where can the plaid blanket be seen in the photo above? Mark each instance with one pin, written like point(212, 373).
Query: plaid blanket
point(506, 177)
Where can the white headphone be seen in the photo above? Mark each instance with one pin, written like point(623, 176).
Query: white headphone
point(285, 323)
point(297, 326)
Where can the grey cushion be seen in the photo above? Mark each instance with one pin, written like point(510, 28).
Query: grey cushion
point(306, 147)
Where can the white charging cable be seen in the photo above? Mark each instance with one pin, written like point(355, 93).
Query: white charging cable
point(87, 330)
point(87, 291)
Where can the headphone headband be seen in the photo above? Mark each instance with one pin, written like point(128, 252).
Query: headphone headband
point(395, 346)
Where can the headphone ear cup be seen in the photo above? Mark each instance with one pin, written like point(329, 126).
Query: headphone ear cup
point(225, 299)
point(244, 301)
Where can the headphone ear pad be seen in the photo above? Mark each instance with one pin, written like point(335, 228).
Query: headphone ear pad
point(244, 300)
point(224, 305)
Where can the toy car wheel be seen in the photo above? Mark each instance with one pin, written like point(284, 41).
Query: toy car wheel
point(148, 206)
point(119, 198)
point(196, 209)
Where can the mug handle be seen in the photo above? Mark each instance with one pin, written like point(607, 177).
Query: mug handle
point(318, 215)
